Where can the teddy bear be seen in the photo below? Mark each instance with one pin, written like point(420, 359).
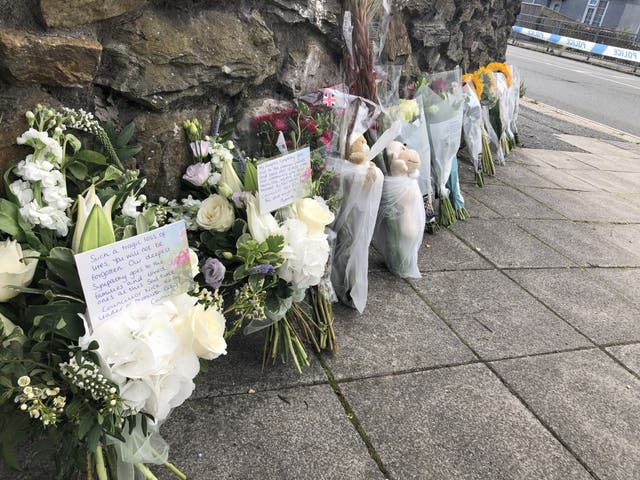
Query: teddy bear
point(402, 161)
point(358, 155)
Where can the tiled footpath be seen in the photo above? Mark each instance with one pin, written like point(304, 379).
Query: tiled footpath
point(515, 356)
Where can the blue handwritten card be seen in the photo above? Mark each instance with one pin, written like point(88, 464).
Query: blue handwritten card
point(284, 179)
point(151, 266)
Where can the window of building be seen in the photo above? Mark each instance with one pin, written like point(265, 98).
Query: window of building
point(595, 11)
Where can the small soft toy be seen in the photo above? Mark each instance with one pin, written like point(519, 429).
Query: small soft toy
point(402, 161)
point(358, 150)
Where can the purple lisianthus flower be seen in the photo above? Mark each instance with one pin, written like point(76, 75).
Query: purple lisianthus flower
point(198, 173)
point(200, 148)
point(213, 271)
point(240, 197)
point(265, 269)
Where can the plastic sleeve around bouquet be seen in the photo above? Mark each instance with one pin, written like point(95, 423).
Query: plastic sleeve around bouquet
point(139, 448)
point(504, 101)
point(472, 126)
point(443, 110)
point(514, 99)
point(400, 225)
point(360, 191)
point(494, 140)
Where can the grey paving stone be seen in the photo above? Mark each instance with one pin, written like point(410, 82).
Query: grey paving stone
point(629, 355)
point(586, 302)
point(474, 205)
point(299, 433)
point(624, 236)
point(530, 156)
point(581, 242)
point(603, 155)
point(518, 175)
point(241, 370)
point(495, 316)
point(507, 245)
point(624, 280)
point(563, 178)
point(397, 332)
point(589, 401)
point(511, 203)
point(587, 206)
point(444, 251)
point(615, 182)
point(456, 423)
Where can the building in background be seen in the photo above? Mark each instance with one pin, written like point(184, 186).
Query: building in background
point(614, 14)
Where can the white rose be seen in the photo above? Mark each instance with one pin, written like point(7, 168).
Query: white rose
point(207, 327)
point(195, 269)
point(316, 215)
point(17, 268)
point(215, 213)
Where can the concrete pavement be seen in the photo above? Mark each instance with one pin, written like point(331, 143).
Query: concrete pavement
point(514, 357)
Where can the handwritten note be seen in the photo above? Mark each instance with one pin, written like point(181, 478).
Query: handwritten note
point(151, 266)
point(284, 179)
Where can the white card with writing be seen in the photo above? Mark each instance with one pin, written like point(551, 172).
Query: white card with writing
point(284, 179)
point(151, 266)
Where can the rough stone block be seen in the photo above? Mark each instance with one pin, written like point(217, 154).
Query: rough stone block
point(69, 13)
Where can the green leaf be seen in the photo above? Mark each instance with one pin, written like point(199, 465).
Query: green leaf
point(125, 135)
point(129, 231)
point(250, 177)
point(78, 170)
point(240, 272)
point(141, 224)
point(275, 243)
point(112, 173)
point(93, 438)
point(91, 156)
point(62, 263)
point(7, 190)
point(86, 424)
point(9, 224)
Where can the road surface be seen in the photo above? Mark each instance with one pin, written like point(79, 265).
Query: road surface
point(597, 93)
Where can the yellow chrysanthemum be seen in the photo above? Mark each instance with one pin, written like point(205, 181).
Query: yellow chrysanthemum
point(502, 68)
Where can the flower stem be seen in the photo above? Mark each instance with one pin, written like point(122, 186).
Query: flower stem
point(148, 474)
point(175, 470)
point(101, 470)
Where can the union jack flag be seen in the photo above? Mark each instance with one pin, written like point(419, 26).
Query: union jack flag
point(328, 98)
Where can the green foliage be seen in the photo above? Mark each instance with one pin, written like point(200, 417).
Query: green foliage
point(120, 141)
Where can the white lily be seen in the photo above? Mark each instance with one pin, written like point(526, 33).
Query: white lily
point(230, 177)
point(86, 206)
point(260, 226)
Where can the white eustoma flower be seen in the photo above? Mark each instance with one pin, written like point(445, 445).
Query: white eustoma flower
point(129, 207)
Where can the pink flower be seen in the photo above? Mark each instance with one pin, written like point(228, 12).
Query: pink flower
point(198, 173)
point(326, 138)
point(279, 123)
point(182, 259)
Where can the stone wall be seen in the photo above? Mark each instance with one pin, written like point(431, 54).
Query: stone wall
point(160, 61)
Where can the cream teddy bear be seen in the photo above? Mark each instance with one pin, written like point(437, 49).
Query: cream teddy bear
point(402, 161)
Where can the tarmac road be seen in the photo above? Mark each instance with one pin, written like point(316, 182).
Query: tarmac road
point(606, 96)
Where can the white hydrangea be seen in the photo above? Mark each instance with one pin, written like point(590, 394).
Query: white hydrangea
point(305, 256)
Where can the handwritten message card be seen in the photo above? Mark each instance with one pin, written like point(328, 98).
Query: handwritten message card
point(151, 266)
point(284, 180)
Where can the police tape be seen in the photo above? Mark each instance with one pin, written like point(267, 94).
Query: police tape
point(591, 47)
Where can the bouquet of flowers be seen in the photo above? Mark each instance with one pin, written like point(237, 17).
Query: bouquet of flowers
point(472, 128)
point(95, 393)
point(484, 81)
point(501, 112)
point(514, 101)
point(262, 264)
point(443, 105)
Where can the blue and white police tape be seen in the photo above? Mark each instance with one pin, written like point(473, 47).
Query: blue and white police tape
point(591, 47)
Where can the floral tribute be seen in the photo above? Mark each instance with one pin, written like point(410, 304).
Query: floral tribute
point(92, 396)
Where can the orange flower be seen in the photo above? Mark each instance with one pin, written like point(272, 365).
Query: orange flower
point(470, 80)
point(503, 69)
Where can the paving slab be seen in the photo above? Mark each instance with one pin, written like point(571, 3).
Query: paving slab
point(586, 302)
point(614, 182)
point(605, 154)
point(587, 206)
point(514, 174)
point(495, 316)
point(589, 401)
point(508, 245)
point(529, 156)
point(566, 160)
point(563, 178)
point(299, 433)
point(241, 370)
point(474, 205)
point(624, 236)
point(582, 242)
point(511, 203)
point(624, 280)
point(629, 355)
point(444, 251)
point(397, 332)
point(456, 423)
